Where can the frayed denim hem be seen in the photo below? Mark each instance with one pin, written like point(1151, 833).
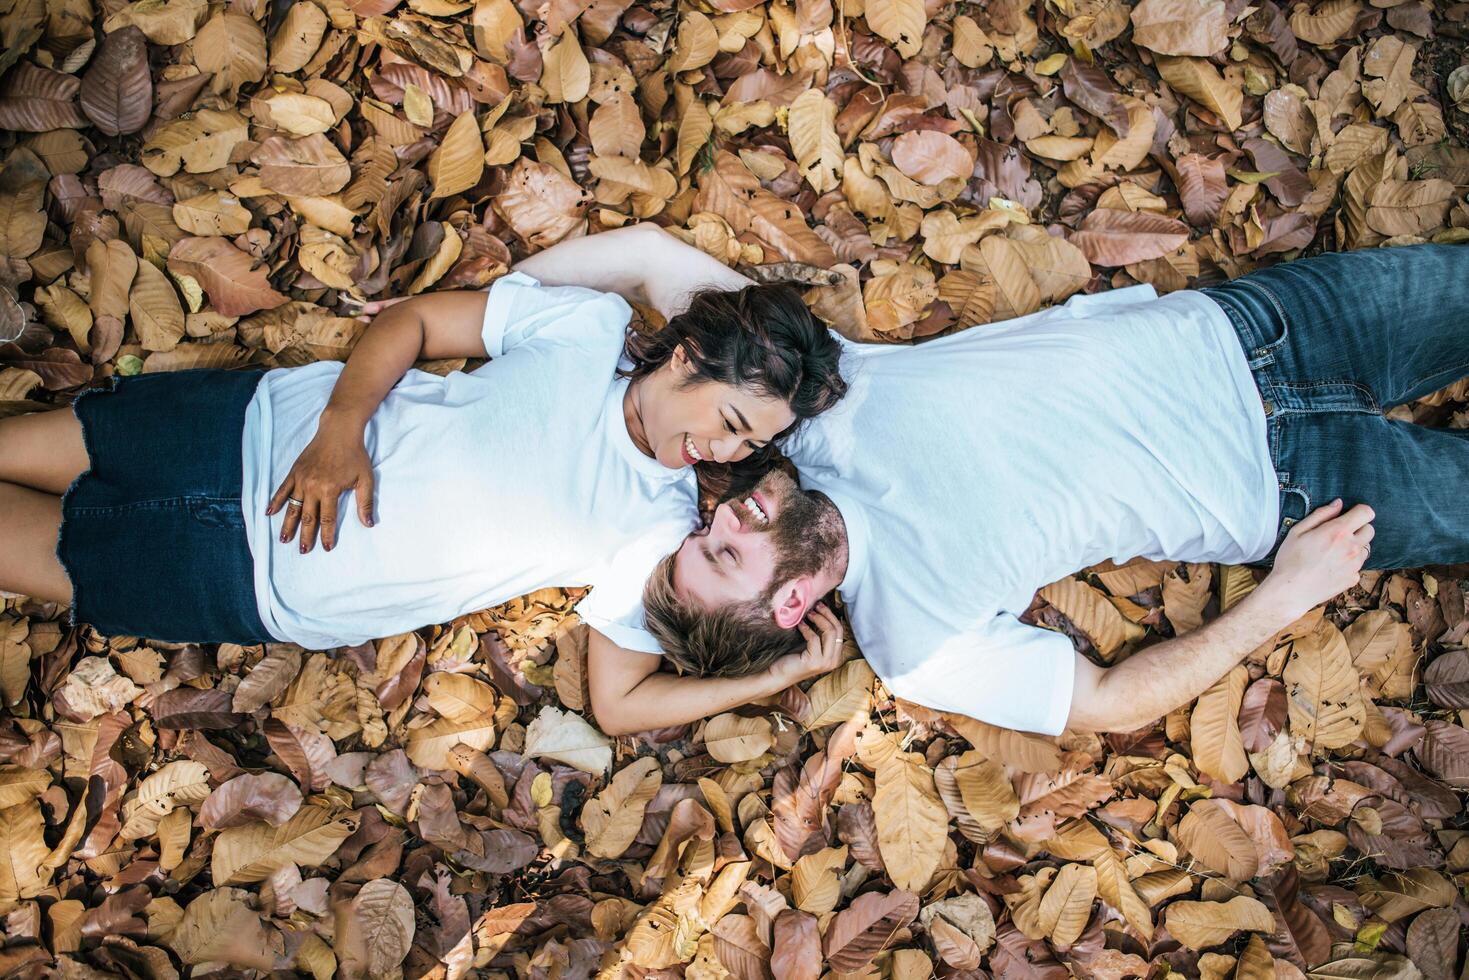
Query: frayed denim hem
point(107, 387)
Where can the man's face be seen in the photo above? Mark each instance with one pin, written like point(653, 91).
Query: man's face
point(775, 534)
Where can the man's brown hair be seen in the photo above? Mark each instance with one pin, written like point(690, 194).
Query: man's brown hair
point(733, 641)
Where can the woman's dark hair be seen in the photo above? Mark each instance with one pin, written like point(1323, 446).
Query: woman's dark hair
point(761, 337)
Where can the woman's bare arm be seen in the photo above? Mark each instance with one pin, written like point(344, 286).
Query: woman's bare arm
point(433, 325)
point(641, 262)
point(630, 694)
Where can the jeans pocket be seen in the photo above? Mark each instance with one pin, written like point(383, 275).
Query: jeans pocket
point(1271, 329)
point(1295, 504)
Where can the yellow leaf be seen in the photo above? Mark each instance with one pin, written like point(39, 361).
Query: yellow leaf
point(1067, 905)
point(1051, 65)
point(972, 47)
point(735, 738)
point(1324, 690)
point(697, 43)
point(154, 306)
point(693, 134)
point(429, 746)
point(613, 817)
point(1218, 746)
point(814, 140)
point(912, 824)
point(460, 160)
point(1202, 924)
point(899, 22)
point(1091, 613)
point(566, 75)
point(252, 851)
point(1200, 81)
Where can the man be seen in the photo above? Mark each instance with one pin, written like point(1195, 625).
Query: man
point(960, 475)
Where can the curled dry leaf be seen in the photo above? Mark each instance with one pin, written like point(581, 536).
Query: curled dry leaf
point(267, 796)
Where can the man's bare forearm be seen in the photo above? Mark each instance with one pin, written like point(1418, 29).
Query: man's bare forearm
point(1153, 682)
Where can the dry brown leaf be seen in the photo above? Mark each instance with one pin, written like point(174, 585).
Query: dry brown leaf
point(1203, 924)
point(1181, 27)
point(1116, 238)
point(1200, 81)
point(1324, 690)
point(612, 819)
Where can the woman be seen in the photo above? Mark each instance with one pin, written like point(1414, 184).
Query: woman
point(187, 506)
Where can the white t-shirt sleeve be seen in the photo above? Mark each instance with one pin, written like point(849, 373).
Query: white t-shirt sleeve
point(1004, 672)
point(614, 607)
point(519, 308)
point(612, 612)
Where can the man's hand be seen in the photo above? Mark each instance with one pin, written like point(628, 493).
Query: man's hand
point(823, 651)
point(1321, 557)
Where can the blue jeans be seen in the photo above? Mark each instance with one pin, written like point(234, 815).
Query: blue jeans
point(1335, 341)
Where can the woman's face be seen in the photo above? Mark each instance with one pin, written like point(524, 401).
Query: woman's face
point(706, 421)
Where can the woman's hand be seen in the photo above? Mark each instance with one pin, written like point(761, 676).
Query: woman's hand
point(823, 651)
point(334, 463)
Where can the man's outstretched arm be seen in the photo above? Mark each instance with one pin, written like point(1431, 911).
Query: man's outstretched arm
point(630, 694)
point(1320, 558)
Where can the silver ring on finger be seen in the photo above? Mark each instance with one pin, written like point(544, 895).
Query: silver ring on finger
point(294, 502)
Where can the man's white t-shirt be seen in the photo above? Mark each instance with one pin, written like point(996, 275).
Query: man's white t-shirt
point(490, 484)
point(974, 469)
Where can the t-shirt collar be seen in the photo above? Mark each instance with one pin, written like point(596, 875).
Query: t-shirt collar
point(622, 439)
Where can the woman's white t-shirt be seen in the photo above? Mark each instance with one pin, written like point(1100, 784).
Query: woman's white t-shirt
point(518, 475)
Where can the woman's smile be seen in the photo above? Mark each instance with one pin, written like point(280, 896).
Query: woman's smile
point(691, 454)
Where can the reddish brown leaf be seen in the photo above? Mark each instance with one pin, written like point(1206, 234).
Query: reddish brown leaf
point(117, 90)
point(1202, 186)
point(860, 931)
point(1114, 238)
point(797, 946)
point(267, 796)
point(34, 100)
point(234, 284)
point(1262, 714)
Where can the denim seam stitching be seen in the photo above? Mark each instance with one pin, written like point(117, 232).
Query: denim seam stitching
point(1461, 371)
point(158, 503)
point(1271, 348)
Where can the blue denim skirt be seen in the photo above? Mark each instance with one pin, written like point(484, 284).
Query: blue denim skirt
point(152, 536)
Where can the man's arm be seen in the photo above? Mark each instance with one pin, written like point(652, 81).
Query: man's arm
point(1321, 557)
point(630, 694)
point(641, 262)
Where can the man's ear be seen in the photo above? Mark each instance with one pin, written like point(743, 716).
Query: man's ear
point(793, 601)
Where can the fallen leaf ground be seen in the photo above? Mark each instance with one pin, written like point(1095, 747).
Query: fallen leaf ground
point(188, 184)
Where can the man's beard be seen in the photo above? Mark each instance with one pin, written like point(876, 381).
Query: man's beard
point(807, 532)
